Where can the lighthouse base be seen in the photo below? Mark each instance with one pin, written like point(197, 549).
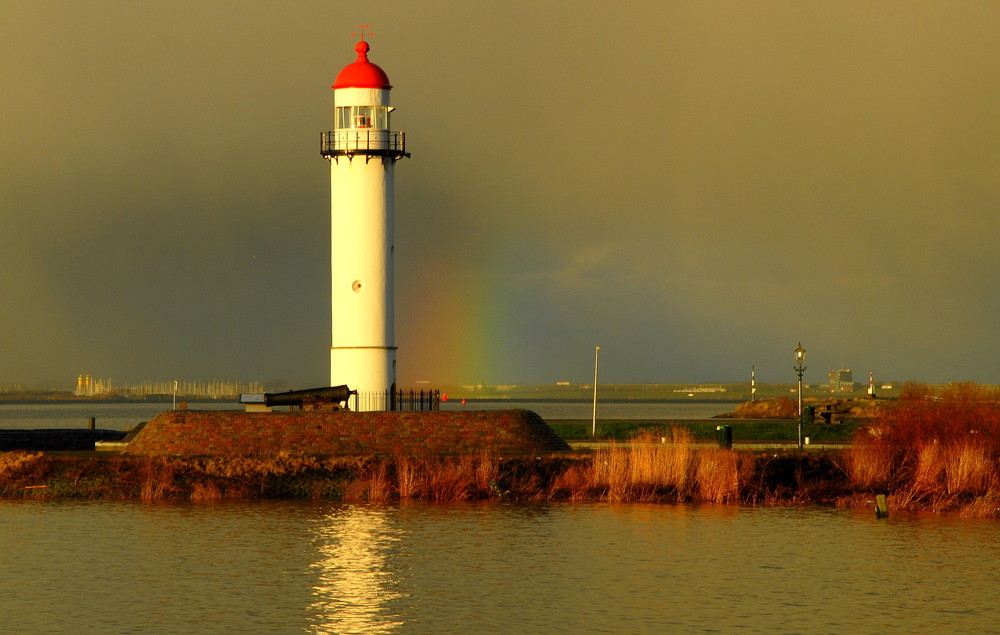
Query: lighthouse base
point(369, 370)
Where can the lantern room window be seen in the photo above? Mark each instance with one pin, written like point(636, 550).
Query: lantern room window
point(363, 117)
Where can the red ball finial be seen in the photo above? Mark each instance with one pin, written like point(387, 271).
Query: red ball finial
point(362, 49)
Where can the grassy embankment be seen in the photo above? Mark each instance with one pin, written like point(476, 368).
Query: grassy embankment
point(769, 420)
point(926, 451)
point(772, 431)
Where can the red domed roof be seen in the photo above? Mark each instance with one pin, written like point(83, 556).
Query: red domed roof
point(362, 73)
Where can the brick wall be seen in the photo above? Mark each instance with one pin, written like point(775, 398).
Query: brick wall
point(193, 432)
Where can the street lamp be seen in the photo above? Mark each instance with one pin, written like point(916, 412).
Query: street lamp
point(593, 421)
point(800, 356)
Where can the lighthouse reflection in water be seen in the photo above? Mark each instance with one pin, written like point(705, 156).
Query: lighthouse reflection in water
point(357, 586)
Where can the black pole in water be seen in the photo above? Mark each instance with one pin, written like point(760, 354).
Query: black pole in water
point(881, 507)
point(92, 423)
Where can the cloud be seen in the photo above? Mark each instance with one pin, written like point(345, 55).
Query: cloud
point(694, 187)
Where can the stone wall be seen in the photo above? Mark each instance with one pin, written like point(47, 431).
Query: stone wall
point(238, 433)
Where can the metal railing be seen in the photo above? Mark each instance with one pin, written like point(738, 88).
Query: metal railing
point(368, 142)
point(396, 400)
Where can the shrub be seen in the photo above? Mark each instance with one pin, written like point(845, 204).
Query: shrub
point(780, 408)
point(935, 444)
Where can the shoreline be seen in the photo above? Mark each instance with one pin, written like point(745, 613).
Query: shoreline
point(931, 451)
point(710, 475)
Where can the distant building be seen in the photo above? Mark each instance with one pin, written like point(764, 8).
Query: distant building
point(841, 380)
point(702, 388)
point(87, 386)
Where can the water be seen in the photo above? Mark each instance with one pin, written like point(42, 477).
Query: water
point(109, 416)
point(124, 416)
point(281, 566)
point(114, 567)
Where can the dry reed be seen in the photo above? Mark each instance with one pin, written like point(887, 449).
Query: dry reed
point(718, 475)
point(649, 468)
point(208, 492)
point(869, 463)
point(157, 480)
point(967, 469)
point(933, 451)
point(406, 477)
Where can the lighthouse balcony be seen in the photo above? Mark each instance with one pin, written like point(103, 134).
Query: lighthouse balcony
point(367, 143)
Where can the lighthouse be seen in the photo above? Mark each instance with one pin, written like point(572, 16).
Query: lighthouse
point(362, 151)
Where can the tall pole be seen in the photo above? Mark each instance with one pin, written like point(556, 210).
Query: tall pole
point(593, 421)
point(800, 356)
point(753, 383)
point(800, 407)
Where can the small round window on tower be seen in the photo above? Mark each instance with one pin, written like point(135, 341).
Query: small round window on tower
point(356, 285)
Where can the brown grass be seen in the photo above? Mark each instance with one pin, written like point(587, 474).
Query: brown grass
point(869, 464)
point(968, 470)
point(933, 450)
point(406, 477)
point(575, 483)
point(648, 468)
point(780, 408)
point(14, 463)
point(718, 475)
point(651, 469)
point(206, 493)
point(928, 469)
point(157, 480)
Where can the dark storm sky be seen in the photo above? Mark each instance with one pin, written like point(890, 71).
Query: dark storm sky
point(694, 186)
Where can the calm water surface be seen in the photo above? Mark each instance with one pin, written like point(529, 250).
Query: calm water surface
point(287, 567)
point(109, 416)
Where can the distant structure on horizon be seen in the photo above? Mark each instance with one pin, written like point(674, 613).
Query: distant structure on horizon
point(701, 388)
point(215, 389)
point(87, 386)
point(841, 380)
point(362, 151)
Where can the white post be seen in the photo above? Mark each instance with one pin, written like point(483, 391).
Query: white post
point(593, 421)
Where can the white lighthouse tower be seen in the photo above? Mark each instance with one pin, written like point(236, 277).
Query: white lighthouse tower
point(363, 151)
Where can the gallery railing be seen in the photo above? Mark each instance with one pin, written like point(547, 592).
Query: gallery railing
point(397, 400)
point(366, 142)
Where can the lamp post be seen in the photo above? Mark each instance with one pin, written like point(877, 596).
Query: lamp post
point(800, 356)
point(593, 421)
